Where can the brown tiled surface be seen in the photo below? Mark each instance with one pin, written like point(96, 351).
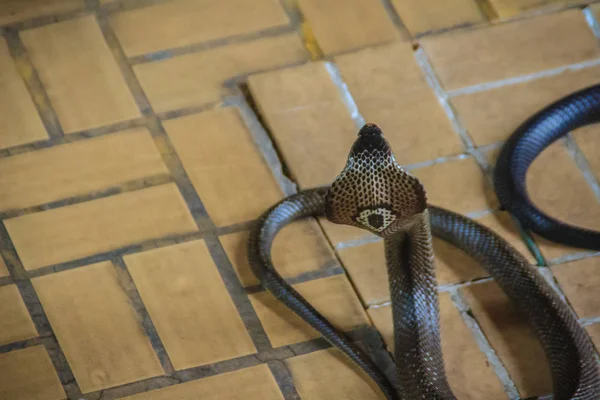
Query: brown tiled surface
point(132, 168)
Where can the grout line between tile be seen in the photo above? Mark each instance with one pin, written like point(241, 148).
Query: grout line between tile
point(333, 270)
point(429, 163)
point(72, 137)
point(592, 22)
point(583, 165)
point(135, 299)
point(394, 16)
point(294, 12)
point(205, 371)
point(345, 94)
point(266, 147)
point(128, 389)
point(34, 85)
point(284, 379)
point(221, 367)
point(125, 187)
point(548, 276)
point(39, 21)
point(183, 112)
point(238, 295)
point(6, 280)
point(288, 180)
point(434, 83)
point(484, 345)
point(23, 344)
point(121, 251)
point(589, 321)
point(573, 257)
point(195, 48)
point(116, 6)
point(91, 5)
point(366, 239)
point(487, 9)
point(522, 78)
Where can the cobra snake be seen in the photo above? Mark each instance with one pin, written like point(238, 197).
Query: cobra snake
point(373, 192)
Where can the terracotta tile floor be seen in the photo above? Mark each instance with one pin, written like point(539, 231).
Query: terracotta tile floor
point(139, 139)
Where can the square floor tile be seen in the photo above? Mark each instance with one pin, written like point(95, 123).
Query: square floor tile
point(186, 298)
point(97, 327)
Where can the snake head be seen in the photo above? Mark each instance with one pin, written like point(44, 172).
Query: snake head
point(373, 191)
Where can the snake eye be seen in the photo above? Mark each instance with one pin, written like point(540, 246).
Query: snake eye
point(375, 218)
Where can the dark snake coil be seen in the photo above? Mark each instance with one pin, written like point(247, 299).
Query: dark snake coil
point(407, 225)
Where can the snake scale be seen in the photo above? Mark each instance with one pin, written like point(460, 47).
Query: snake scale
point(373, 192)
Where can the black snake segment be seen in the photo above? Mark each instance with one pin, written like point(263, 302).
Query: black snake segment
point(373, 192)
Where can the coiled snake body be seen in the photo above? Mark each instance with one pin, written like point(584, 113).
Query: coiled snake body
point(373, 192)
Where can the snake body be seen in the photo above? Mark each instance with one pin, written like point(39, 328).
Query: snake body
point(373, 192)
point(529, 140)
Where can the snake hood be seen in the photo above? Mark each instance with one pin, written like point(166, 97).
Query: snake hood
point(373, 191)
